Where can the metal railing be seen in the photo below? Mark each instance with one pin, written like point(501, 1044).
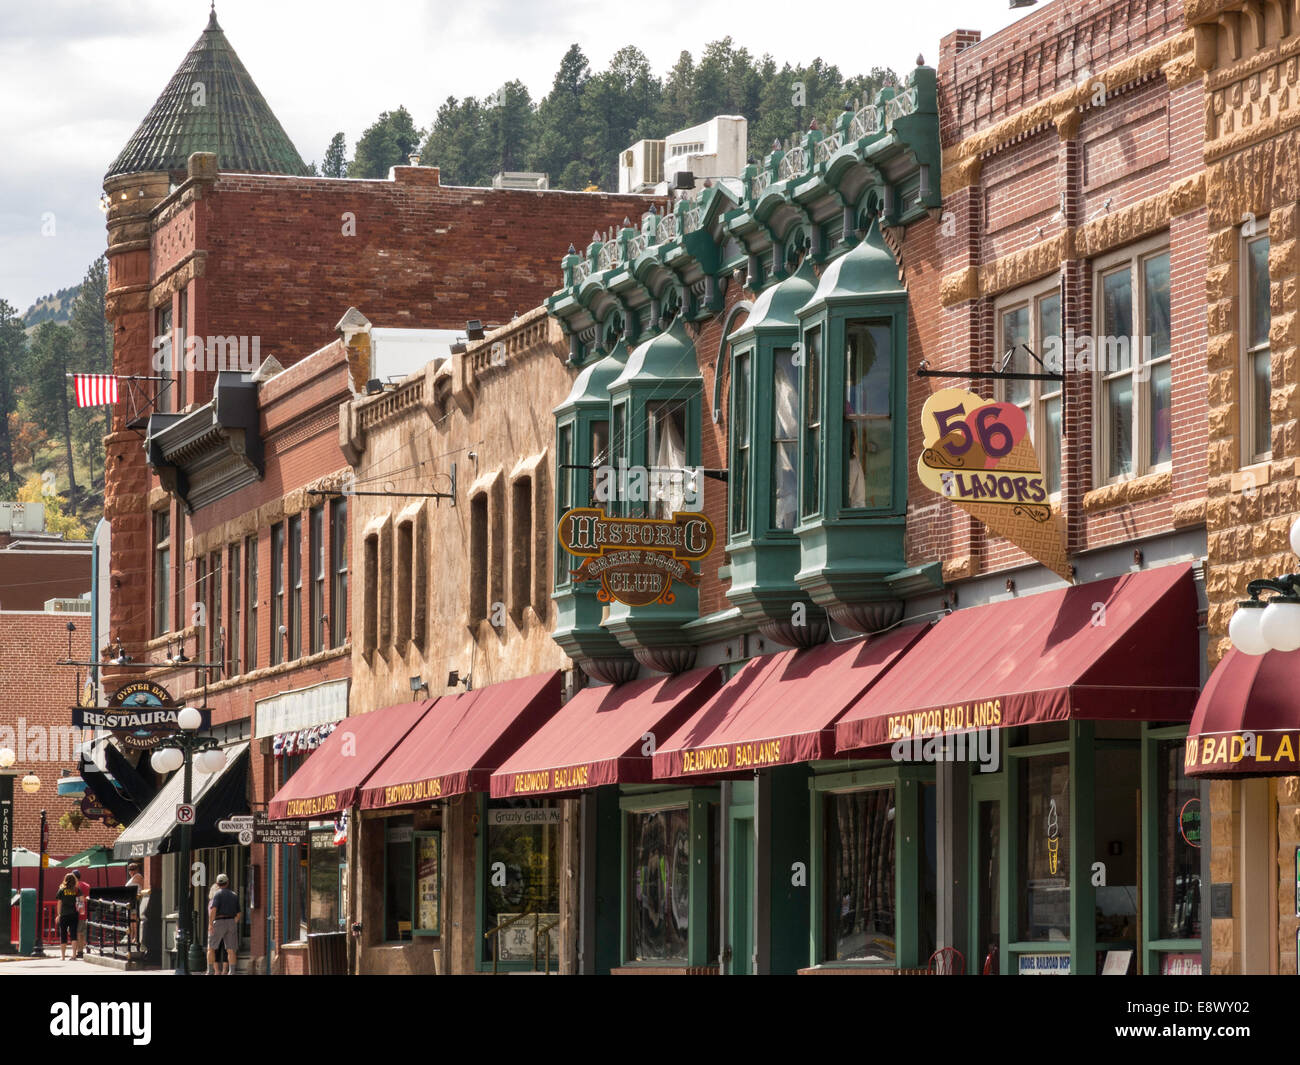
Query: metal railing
point(112, 928)
point(538, 930)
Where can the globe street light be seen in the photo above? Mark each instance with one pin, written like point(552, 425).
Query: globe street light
point(1260, 625)
point(179, 750)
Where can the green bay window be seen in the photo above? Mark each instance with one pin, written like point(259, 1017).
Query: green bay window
point(588, 436)
point(764, 420)
point(853, 398)
point(868, 432)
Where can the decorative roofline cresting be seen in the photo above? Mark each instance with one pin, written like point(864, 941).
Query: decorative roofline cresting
point(880, 160)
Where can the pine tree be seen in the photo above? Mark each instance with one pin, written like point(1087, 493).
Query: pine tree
point(510, 126)
point(335, 164)
point(13, 355)
point(47, 398)
point(559, 146)
point(386, 144)
point(93, 353)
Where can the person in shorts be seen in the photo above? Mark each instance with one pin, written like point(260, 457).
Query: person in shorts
point(68, 897)
point(223, 927)
point(83, 911)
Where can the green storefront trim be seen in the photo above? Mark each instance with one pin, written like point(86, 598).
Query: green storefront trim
point(697, 802)
point(907, 781)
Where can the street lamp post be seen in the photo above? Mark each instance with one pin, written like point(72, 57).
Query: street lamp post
point(177, 752)
point(39, 952)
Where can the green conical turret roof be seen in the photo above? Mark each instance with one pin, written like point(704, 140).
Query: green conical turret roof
point(210, 105)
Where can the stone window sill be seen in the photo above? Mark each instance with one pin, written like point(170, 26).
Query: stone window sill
point(1133, 490)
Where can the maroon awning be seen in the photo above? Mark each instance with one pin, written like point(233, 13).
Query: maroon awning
point(1125, 649)
point(781, 708)
point(604, 735)
point(1247, 721)
point(330, 779)
point(456, 746)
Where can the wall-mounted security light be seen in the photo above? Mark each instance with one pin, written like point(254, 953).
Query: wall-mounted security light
point(683, 180)
point(419, 684)
point(374, 386)
point(474, 329)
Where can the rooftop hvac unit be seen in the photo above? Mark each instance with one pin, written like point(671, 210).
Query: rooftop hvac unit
point(641, 166)
point(67, 606)
point(22, 517)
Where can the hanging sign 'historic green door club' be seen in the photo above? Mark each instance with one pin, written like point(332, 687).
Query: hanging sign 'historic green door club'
point(636, 560)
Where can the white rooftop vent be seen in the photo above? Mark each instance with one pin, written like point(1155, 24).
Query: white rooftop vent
point(67, 606)
point(520, 179)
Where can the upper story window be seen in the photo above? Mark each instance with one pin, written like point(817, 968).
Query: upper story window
point(740, 444)
point(812, 427)
point(1133, 360)
point(295, 586)
point(339, 569)
point(868, 431)
point(277, 594)
point(235, 639)
point(565, 480)
point(216, 633)
point(163, 358)
point(1031, 321)
point(250, 629)
point(666, 448)
point(1257, 360)
point(316, 559)
point(785, 439)
point(162, 567)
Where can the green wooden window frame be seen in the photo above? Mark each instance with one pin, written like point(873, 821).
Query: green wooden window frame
point(1153, 946)
point(811, 429)
point(697, 801)
point(741, 449)
point(907, 782)
point(565, 478)
point(1082, 946)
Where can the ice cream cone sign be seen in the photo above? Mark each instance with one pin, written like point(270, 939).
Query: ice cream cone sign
point(978, 454)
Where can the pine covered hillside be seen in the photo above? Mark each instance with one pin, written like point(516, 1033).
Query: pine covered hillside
point(54, 308)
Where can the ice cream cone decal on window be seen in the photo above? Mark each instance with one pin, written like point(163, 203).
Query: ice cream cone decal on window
point(978, 454)
point(1053, 838)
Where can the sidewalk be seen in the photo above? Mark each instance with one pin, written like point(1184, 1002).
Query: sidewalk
point(51, 966)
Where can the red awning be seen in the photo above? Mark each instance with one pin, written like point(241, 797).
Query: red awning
point(1247, 721)
point(456, 746)
point(1126, 648)
point(598, 736)
point(329, 780)
point(781, 708)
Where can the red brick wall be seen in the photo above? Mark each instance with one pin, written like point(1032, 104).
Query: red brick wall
point(35, 694)
point(279, 265)
point(29, 578)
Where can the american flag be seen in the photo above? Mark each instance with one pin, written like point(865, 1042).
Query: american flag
point(95, 389)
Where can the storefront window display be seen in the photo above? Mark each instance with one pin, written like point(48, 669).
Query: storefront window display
point(521, 877)
point(1044, 874)
point(412, 881)
point(1178, 846)
point(326, 880)
point(661, 873)
point(860, 876)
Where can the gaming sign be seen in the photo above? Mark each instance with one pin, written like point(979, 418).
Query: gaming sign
point(636, 560)
point(139, 714)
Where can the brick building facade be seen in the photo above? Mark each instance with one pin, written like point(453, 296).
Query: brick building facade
point(37, 724)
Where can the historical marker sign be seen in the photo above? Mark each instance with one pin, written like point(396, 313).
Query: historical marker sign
point(281, 833)
point(636, 560)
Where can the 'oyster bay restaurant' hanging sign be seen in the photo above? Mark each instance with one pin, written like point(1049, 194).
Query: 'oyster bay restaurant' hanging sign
point(139, 714)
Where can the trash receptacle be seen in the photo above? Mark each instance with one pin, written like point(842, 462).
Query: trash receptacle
point(27, 921)
point(327, 954)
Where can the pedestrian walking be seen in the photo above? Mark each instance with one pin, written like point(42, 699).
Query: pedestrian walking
point(68, 897)
point(223, 927)
point(221, 947)
point(83, 911)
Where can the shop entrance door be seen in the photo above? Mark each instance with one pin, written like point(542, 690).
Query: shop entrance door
point(985, 880)
point(742, 896)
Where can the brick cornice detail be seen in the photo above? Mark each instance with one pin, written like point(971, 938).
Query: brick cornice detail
point(1135, 68)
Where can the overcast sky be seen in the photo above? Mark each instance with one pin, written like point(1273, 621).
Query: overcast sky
point(77, 76)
